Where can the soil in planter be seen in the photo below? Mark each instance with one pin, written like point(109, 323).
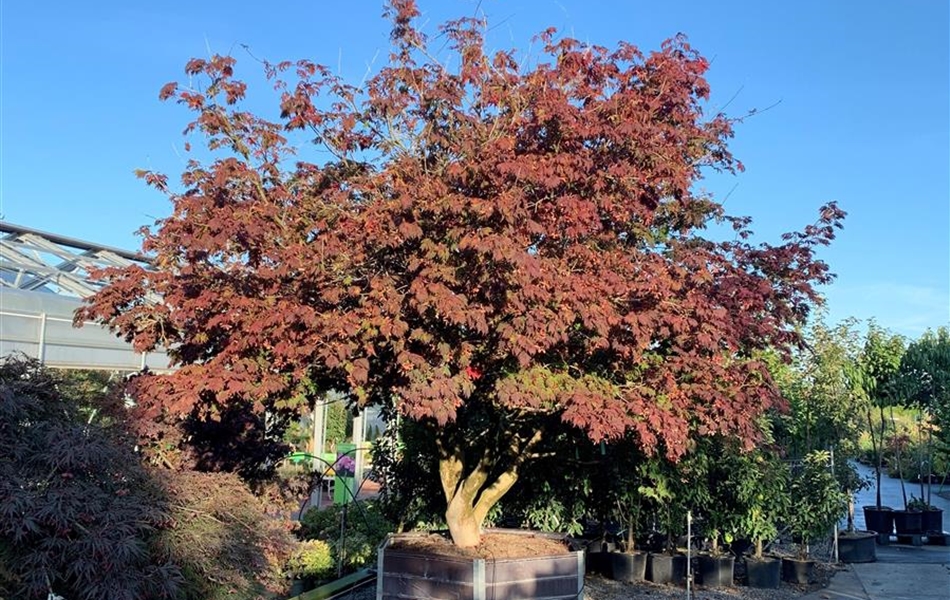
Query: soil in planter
point(493, 545)
point(429, 566)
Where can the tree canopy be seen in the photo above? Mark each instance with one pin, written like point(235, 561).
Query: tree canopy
point(489, 247)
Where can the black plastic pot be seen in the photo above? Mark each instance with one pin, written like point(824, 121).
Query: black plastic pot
point(299, 585)
point(716, 571)
point(908, 522)
point(764, 573)
point(628, 567)
point(797, 571)
point(880, 520)
point(857, 546)
point(932, 520)
point(665, 568)
point(598, 557)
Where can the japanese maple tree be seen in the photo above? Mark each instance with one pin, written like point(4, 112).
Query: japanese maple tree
point(487, 245)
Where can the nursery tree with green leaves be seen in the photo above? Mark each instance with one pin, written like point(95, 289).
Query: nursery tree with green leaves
point(826, 406)
point(877, 377)
point(925, 375)
point(490, 244)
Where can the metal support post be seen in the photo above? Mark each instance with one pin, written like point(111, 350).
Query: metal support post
point(359, 424)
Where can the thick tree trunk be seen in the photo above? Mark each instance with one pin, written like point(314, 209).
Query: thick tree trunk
point(463, 526)
point(469, 495)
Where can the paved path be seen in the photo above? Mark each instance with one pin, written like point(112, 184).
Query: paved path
point(928, 578)
point(901, 572)
point(892, 496)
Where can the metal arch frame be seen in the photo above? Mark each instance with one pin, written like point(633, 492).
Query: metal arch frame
point(34, 260)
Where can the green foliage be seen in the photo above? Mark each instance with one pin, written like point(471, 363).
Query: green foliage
point(877, 375)
point(723, 485)
point(313, 559)
point(925, 369)
point(565, 489)
point(926, 372)
point(98, 394)
point(916, 503)
point(624, 468)
point(817, 502)
point(668, 491)
point(405, 462)
point(353, 531)
point(298, 434)
point(339, 421)
point(826, 402)
point(764, 491)
point(546, 511)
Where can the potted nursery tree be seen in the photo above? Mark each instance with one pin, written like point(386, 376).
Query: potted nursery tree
point(926, 374)
point(769, 502)
point(931, 517)
point(661, 487)
point(827, 401)
point(629, 563)
point(816, 505)
point(719, 493)
point(875, 377)
point(854, 546)
point(308, 564)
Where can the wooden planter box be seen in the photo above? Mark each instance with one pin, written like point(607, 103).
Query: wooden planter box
point(411, 574)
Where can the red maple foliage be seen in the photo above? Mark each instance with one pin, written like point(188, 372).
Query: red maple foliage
point(485, 246)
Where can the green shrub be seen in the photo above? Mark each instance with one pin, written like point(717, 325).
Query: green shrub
point(364, 528)
point(312, 558)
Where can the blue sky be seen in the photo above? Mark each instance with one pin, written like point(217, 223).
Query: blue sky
point(860, 97)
